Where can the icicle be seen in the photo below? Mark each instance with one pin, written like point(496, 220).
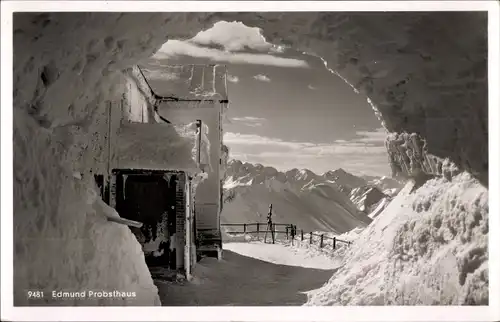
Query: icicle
point(190, 80)
point(202, 82)
point(213, 78)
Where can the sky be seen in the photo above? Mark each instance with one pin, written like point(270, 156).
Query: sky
point(286, 109)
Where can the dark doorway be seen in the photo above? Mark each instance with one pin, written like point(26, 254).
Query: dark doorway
point(149, 197)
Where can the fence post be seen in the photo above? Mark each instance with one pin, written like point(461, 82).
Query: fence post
point(286, 232)
point(334, 242)
point(311, 238)
point(301, 235)
point(244, 228)
point(321, 241)
point(258, 228)
point(273, 229)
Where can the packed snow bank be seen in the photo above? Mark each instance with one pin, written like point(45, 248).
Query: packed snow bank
point(83, 251)
point(427, 247)
point(282, 254)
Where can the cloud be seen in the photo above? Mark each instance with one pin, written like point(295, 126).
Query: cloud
point(233, 36)
point(262, 78)
point(348, 147)
point(311, 87)
point(354, 155)
point(232, 78)
point(236, 36)
point(230, 39)
point(249, 121)
point(173, 48)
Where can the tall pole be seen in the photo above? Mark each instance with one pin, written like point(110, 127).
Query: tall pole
point(270, 224)
point(109, 139)
point(198, 125)
point(106, 182)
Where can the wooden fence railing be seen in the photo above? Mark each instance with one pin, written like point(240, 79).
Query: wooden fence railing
point(290, 231)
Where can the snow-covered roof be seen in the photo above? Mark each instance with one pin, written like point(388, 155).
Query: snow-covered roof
point(160, 147)
point(187, 82)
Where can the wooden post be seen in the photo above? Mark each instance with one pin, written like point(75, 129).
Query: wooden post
point(286, 232)
point(321, 241)
point(301, 235)
point(311, 238)
point(244, 228)
point(269, 223)
point(273, 229)
point(334, 242)
point(258, 228)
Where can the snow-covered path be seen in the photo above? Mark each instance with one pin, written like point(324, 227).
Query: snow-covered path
point(239, 279)
point(283, 255)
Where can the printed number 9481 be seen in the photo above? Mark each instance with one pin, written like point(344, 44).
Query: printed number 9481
point(35, 294)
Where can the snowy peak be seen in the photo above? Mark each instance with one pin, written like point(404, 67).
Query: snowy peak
point(244, 173)
point(303, 175)
point(388, 186)
point(299, 196)
point(344, 179)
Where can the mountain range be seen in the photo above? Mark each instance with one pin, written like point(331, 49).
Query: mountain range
point(336, 201)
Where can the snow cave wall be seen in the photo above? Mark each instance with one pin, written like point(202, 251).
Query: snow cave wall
point(428, 247)
point(424, 73)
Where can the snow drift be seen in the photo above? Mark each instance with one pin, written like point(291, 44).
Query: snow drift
point(76, 253)
point(428, 247)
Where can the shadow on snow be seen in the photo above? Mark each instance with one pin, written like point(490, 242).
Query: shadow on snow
point(239, 280)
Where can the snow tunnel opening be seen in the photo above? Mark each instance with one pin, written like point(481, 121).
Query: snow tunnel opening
point(163, 72)
point(397, 70)
point(408, 151)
